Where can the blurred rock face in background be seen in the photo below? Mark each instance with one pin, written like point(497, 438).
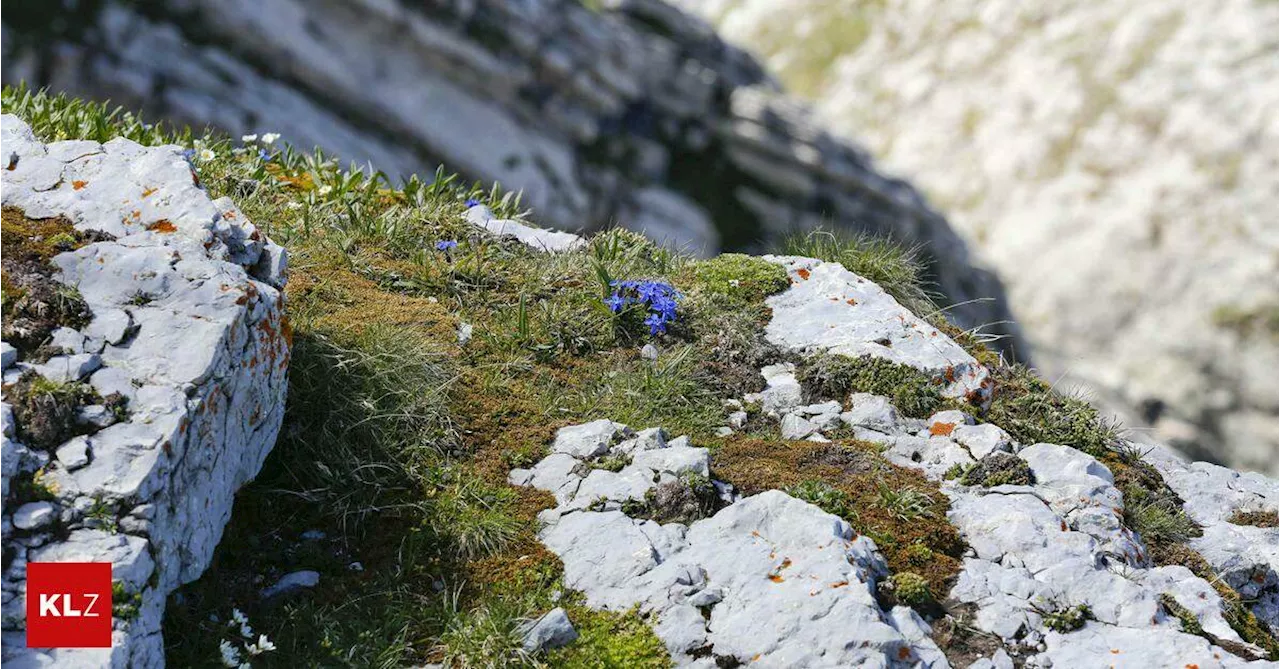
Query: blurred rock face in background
point(626, 111)
point(1115, 161)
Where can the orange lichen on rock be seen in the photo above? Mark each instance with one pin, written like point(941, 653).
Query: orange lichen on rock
point(164, 226)
point(941, 429)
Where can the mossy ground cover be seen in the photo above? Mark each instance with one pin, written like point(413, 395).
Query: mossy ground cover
point(397, 438)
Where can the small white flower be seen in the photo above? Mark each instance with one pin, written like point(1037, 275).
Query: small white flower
point(246, 631)
point(325, 190)
point(293, 204)
point(248, 139)
point(270, 137)
point(230, 655)
point(238, 617)
point(734, 283)
point(238, 151)
point(206, 155)
point(264, 645)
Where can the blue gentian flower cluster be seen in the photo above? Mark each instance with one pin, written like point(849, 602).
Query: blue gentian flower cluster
point(471, 203)
point(657, 296)
point(446, 245)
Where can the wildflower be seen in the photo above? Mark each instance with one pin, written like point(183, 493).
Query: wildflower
point(658, 297)
point(263, 155)
point(188, 154)
point(238, 617)
point(657, 324)
point(615, 303)
point(270, 137)
point(734, 283)
point(230, 655)
point(471, 202)
point(206, 155)
point(248, 139)
point(325, 190)
point(293, 204)
point(264, 645)
point(446, 245)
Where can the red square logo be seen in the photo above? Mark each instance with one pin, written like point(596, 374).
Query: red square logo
point(69, 605)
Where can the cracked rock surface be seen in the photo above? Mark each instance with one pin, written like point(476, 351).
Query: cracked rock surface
point(188, 327)
point(768, 579)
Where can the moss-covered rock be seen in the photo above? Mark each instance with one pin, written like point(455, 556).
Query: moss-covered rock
point(998, 468)
point(830, 376)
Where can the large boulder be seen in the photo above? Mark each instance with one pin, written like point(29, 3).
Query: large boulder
point(188, 337)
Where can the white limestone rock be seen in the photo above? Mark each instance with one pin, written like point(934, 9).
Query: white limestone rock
point(590, 439)
point(872, 412)
point(782, 391)
point(202, 365)
point(291, 583)
point(33, 515)
point(675, 460)
point(552, 630)
point(551, 241)
point(795, 427)
point(1246, 557)
point(828, 308)
point(780, 578)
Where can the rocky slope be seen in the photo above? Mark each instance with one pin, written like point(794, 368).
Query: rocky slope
point(132, 418)
point(631, 112)
point(1115, 162)
point(513, 446)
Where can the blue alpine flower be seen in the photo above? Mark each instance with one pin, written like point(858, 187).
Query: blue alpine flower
point(446, 245)
point(658, 298)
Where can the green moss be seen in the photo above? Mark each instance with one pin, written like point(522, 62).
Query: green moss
point(827, 376)
point(1254, 518)
point(44, 411)
point(739, 278)
point(998, 468)
point(1067, 619)
point(611, 463)
point(955, 471)
point(1190, 624)
point(911, 588)
point(690, 497)
point(1032, 412)
point(610, 640)
point(1252, 630)
point(919, 554)
point(35, 303)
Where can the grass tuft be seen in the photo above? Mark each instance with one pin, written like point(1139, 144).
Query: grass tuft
point(895, 268)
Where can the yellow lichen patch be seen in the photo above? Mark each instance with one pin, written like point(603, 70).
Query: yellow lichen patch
point(857, 470)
